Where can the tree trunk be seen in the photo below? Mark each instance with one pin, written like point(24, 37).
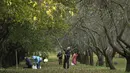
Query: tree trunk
point(16, 58)
point(81, 58)
point(87, 58)
point(0, 62)
point(106, 63)
point(109, 62)
point(109, 54)
point(100, 60)
point(128, 64)
point(91, 57)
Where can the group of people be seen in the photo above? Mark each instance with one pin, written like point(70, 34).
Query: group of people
point(67, 57)
point(35, 64)
point(37, 59)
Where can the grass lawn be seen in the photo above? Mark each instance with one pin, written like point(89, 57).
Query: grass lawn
point(53, 67)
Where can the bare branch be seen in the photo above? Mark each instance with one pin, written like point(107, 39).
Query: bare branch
point(118, 4)
point(90, 30)
point(111, 42)
point(124, 48)
point(124, 42)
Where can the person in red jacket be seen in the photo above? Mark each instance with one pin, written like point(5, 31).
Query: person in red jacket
point(74, 58)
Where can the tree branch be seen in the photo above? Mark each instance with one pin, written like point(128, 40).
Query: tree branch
point(125, 12)
point(124, 42)
point(125, 50)
point(112, 43)
point(90, 29)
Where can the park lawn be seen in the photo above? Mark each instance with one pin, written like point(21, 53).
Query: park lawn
point(53, 67)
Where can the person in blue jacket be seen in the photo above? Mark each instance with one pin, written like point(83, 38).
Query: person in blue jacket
point(37, 60)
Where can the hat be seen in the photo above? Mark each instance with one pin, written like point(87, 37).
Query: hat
point(68, 48)
point(34, 57)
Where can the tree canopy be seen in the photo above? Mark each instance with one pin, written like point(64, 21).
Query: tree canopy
point(33, 23)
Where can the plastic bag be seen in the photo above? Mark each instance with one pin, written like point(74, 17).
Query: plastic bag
point(34, 67)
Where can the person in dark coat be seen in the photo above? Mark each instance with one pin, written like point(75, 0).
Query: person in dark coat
point(28, 62)
point(59, 55)
point(66, 58)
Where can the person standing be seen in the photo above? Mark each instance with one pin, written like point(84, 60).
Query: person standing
point(74, 58)
point(66, 58)
point(59, 55)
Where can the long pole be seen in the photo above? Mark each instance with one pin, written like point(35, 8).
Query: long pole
point(16, 55)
